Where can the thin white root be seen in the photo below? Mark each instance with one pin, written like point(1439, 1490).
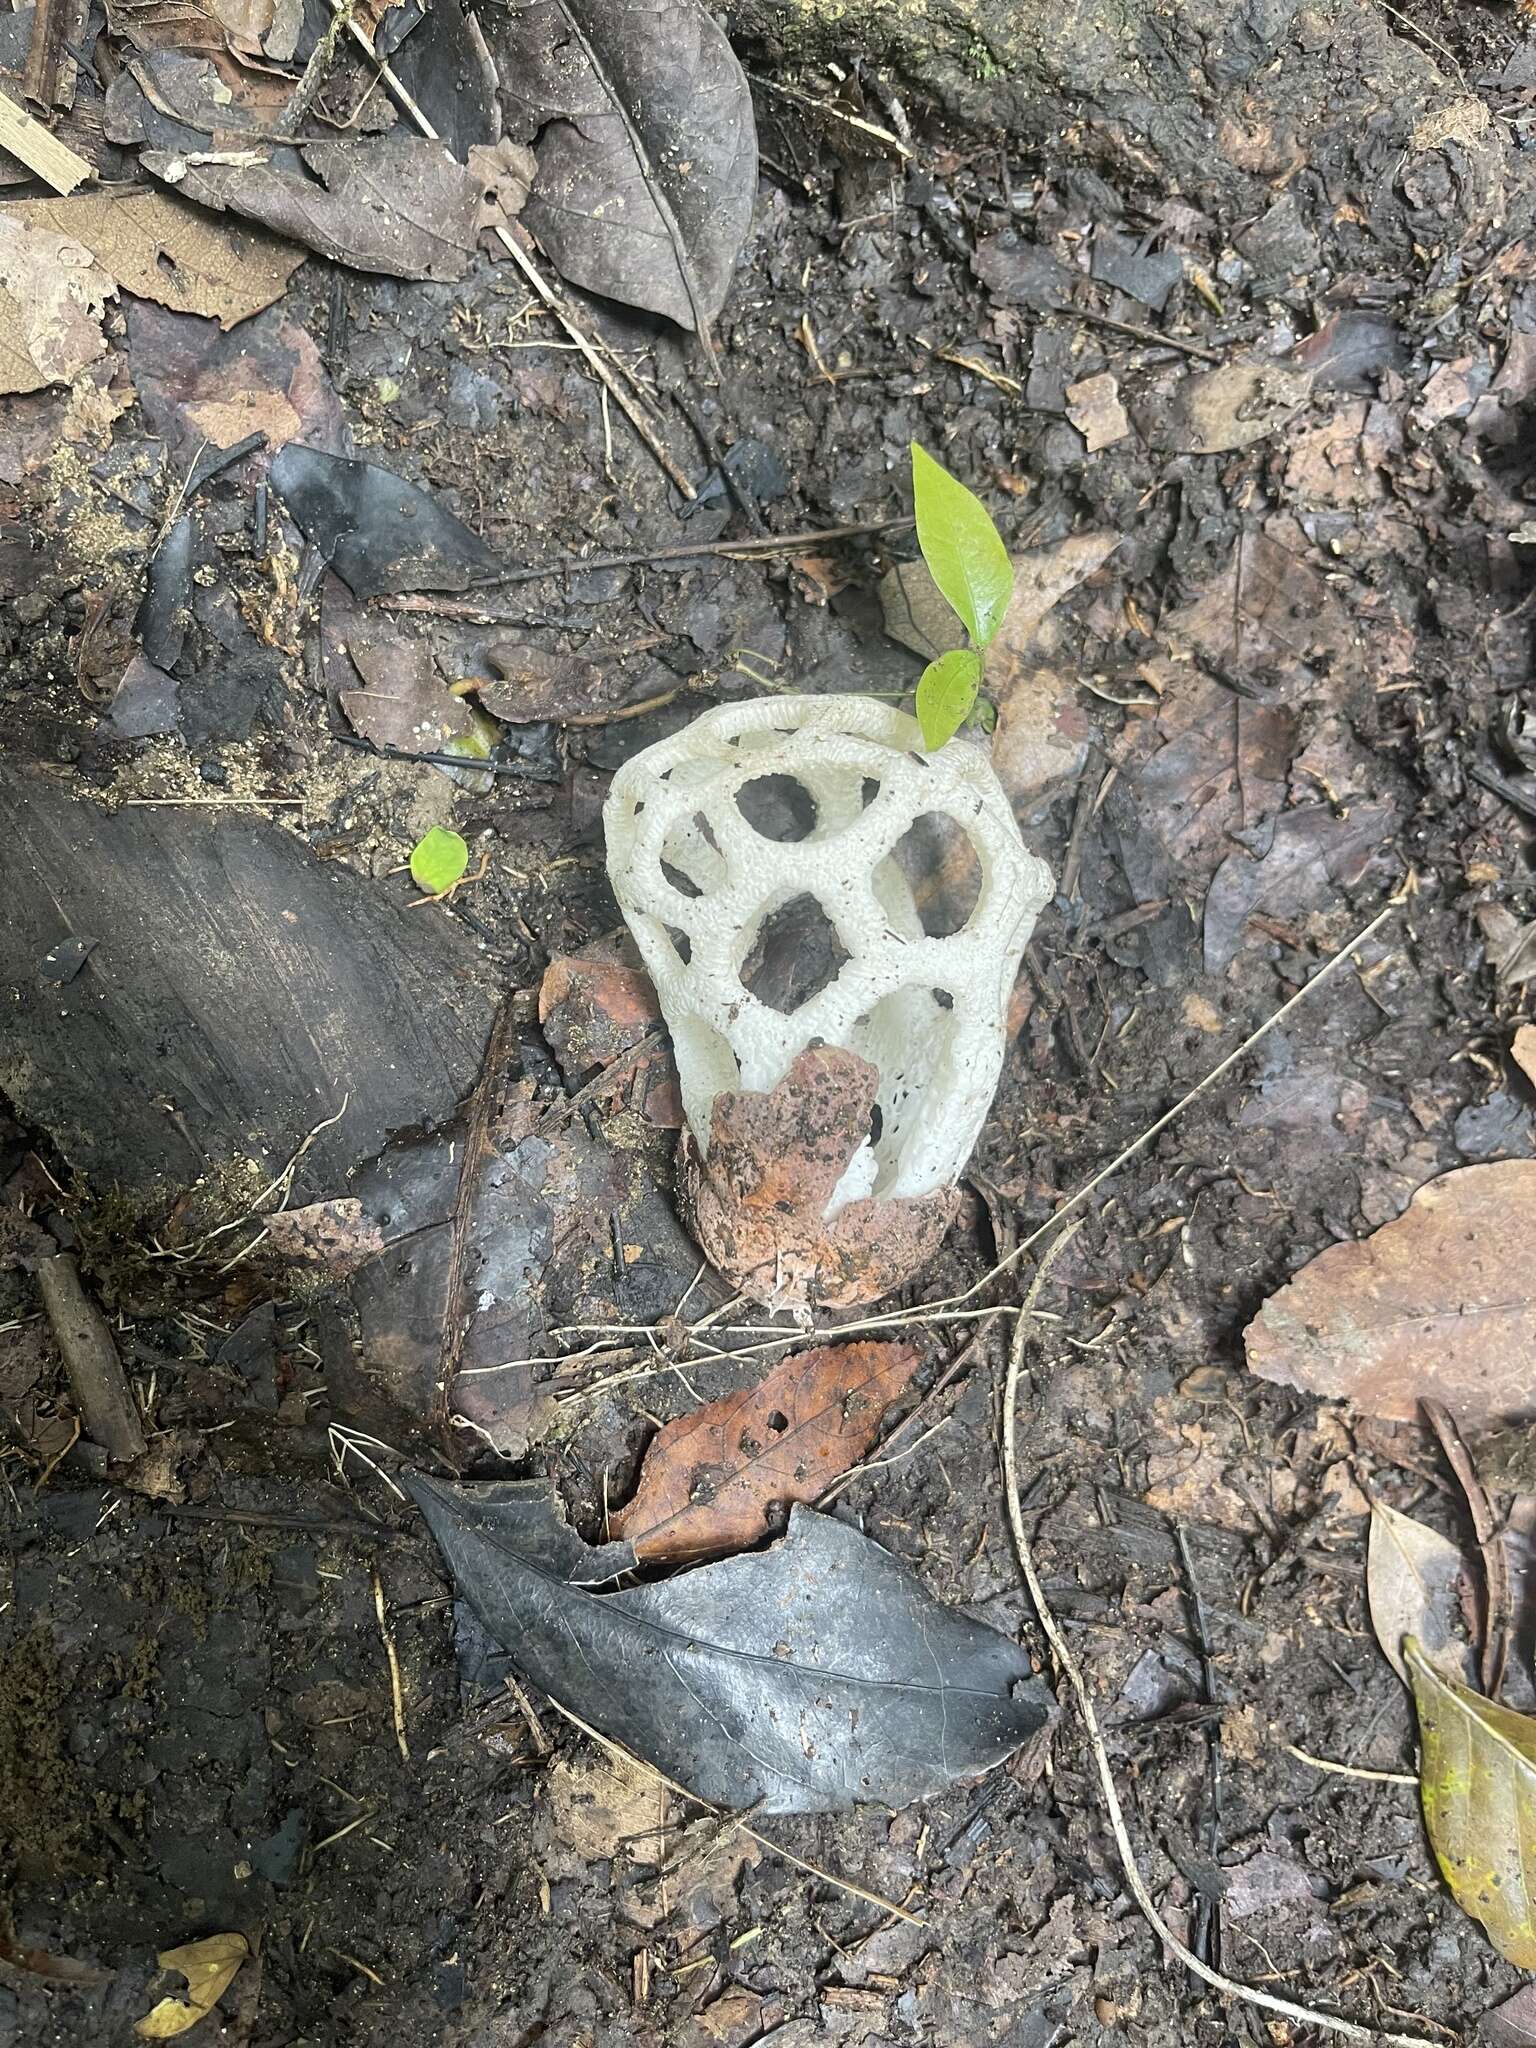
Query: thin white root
point(1247, 1994)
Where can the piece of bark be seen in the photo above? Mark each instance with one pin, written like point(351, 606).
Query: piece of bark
point(241, 988)
point(96, 1377)
point(757, 1201)
point(40, 149)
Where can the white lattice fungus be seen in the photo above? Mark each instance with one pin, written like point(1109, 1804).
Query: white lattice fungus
point(846, 804)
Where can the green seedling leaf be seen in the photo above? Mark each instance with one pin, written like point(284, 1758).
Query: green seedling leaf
point(1477, 1779)
point(963, 549)
point(946, 690)
point(438, 861)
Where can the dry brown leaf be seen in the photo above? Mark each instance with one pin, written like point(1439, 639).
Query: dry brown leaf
point(159, 247)
point(52, 297)
point(1440, 1303)
point(1094, 408)
point(757, 1203)
point(1524, 1051)
point(604, 1807)
point(1511, 944)
point(1413, 1581)
point(404, 703)
point(711, 1479)
point(1231, 406)
point(505, 171)
point(393, 204)
point(338, 1236)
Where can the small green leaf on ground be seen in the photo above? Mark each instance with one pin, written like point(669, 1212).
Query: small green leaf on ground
point(1477, 1778)
point(946, 690)
point(963, 549)
point(438, 861)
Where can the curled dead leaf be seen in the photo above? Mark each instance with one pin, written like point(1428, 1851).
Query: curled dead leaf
point(757, 1202)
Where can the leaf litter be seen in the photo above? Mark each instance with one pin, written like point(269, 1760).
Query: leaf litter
point(713, 1479)
point(809, 1678)
point(1441, 1303)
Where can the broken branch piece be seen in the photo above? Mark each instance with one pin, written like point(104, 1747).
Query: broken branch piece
point(829, 912)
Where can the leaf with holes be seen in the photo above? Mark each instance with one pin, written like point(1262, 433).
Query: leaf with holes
point(1477, 1779)
point(438, 860)
point(963, 549)
point(1413, 1581)
point(641, 124)
point(946, 690)
point(711, 1479)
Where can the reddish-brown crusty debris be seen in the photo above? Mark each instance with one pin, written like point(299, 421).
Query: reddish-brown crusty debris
point(757, 1202)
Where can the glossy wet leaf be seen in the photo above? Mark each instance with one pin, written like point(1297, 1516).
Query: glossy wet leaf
point(1477, 1778)
point(810, 1677)
point(963, 549)
point(438, 860)
point(1413, 1580)
point(946, 690)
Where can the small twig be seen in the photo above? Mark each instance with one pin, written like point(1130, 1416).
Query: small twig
point(396, 1695)
point(1322, 1763)
point(657, 703)
point(1498, 1598)
point(40, 149)
point(600, 1082)
point(316, 72)
point(1149, 335)
point(766, 544)
point(96, 1377)
point(59, 1456)
point(805, 99)
point(1248, 1994)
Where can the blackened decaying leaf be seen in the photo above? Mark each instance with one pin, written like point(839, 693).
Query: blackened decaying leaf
point(809, 1678)
point(711, 1478)
point(395, 204)
point(160, 623)
point(378, 532)
point(642, 126)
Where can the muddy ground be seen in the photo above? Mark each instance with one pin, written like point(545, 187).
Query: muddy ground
point(1328, 627)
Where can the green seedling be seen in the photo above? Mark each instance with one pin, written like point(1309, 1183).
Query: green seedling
point(969, 564)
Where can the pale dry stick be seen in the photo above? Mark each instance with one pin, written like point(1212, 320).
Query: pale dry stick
point(1228, 1987)
point(836, 113)
point(843, 1884)
point(396, 1693)
point(530, 270)
point(1323, 1763)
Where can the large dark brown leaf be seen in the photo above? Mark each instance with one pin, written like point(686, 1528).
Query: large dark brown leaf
point(395, 204)
point(711, 1479)
point(642, 126)
point(808, 1678)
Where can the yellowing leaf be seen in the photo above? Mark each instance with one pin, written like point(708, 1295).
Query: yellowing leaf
point(946, 690)
point(209, 1967)
point(963, 549)
point(1477, 1779)
point(438, 860)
